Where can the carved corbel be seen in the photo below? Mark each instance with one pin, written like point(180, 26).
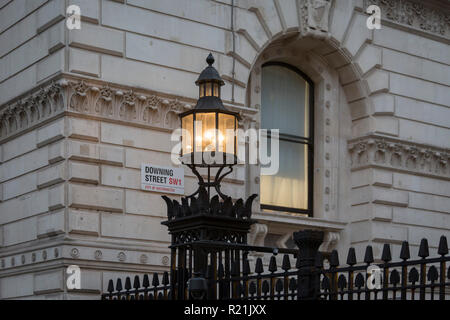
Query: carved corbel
point(314, 17)
point(330, 240)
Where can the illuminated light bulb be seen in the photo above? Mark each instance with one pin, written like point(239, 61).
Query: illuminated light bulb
point(188, 147)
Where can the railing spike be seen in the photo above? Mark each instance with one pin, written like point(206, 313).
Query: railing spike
point(351, 257)
point(127, 283)
point(155, 280)
point(136, 282)
point(169, 204)
point(265, 287)
point(423, 249)
point(404, 252)
point(246, 267)
point(273, 264)
point(443, 247)
point(119, 285)
point(342, 282)
point(165, 279)
point(413, 276)
point(252, 288)
point(386, 255)
point(259, 266)
point(359, 281)
point(215, 205)
point(279, 286)
point(110, 286)
point(286, 265)
point(368, 256)
point(248, 206)
point(145, 281)
point(334, 258)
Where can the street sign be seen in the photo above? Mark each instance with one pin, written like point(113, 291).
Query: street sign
point(162, 179)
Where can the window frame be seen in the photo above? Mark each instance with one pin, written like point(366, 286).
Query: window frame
point(302, 140)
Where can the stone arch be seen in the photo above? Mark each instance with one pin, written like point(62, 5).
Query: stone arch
point(333, 30)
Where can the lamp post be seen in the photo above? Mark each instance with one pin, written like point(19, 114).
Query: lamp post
point(209, 131)
point(203, 228)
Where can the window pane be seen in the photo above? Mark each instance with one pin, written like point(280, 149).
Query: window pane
point(289, 187)
point(284, 101)
point(205, 132)
point(188, 136)
point(226, 133)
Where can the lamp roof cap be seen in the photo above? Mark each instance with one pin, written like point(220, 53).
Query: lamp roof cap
point(209, 73)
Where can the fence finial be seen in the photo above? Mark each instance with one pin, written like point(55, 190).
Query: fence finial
point(368, 256)
point(386, 255)
point(423, 249)
point(443, 247)
point(351, 257)
point(404, 252)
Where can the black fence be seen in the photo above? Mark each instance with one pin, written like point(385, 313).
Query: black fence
point(210, 259)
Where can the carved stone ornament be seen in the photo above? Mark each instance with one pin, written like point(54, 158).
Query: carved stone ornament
point(314, 17)
point(415, 14)
point(401, 155)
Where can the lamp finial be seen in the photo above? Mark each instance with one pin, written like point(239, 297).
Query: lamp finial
point(210, 59)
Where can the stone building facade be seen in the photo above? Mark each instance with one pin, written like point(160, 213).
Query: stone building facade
point(82, 109)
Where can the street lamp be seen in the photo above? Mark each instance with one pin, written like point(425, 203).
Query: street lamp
point(209, 131)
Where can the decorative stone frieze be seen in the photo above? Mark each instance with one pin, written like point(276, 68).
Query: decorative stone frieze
point(314, 17)
point(414, 14)
point(102, 101)
point(396, 154)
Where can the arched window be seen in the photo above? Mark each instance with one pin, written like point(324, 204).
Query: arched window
point(287, 105)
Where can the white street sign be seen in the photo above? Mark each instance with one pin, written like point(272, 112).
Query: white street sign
point(162, 179)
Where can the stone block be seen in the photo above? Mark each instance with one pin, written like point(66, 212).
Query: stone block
point(17, 10)
point(56, 152)
point(135, 157)
point(83, 129)
point(369, 58)
point(354, 91)
point(359, 109)
point(119, 70)
point(56, 197)
point(25, 163)
point(422, 111)
point(378, 81)
point(383, 104)
point(19, 232)
point(135, 137)
point(51, 175)
point(19, 186)
point(420, 184)
point(84, 173)
point(50, 14)
point(50, 66)
point(424, 133)
point(419, 89)
point(386, 232)
point(18, 146)
point(99, 39)
point(357, 34)
point(386, 124)
point(412, 43)
point(120, 177)
point(18, 34)
point(416, 67)
point(133, 227)
point(91, 281)
point(421, 218)
point(95, 198)
point(57, 36)
point(390, 197)
point(84, 62)
point(50, 224)
point(340, 17)
point(50, 133)
point(347, 74)
point(360, 231)
point(429, 202)
point(83, 222)
point(361, 127)
point(146, 203)
point(163, 26)
point(371, 176)
point(17, 285)
point(49, 281)
point(18, 84)
point(86, 151)
point(89, 9)
point(24, 206)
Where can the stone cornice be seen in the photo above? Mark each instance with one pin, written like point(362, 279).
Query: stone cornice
point(390, 153)
point(430, 17)
point(98, 99)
